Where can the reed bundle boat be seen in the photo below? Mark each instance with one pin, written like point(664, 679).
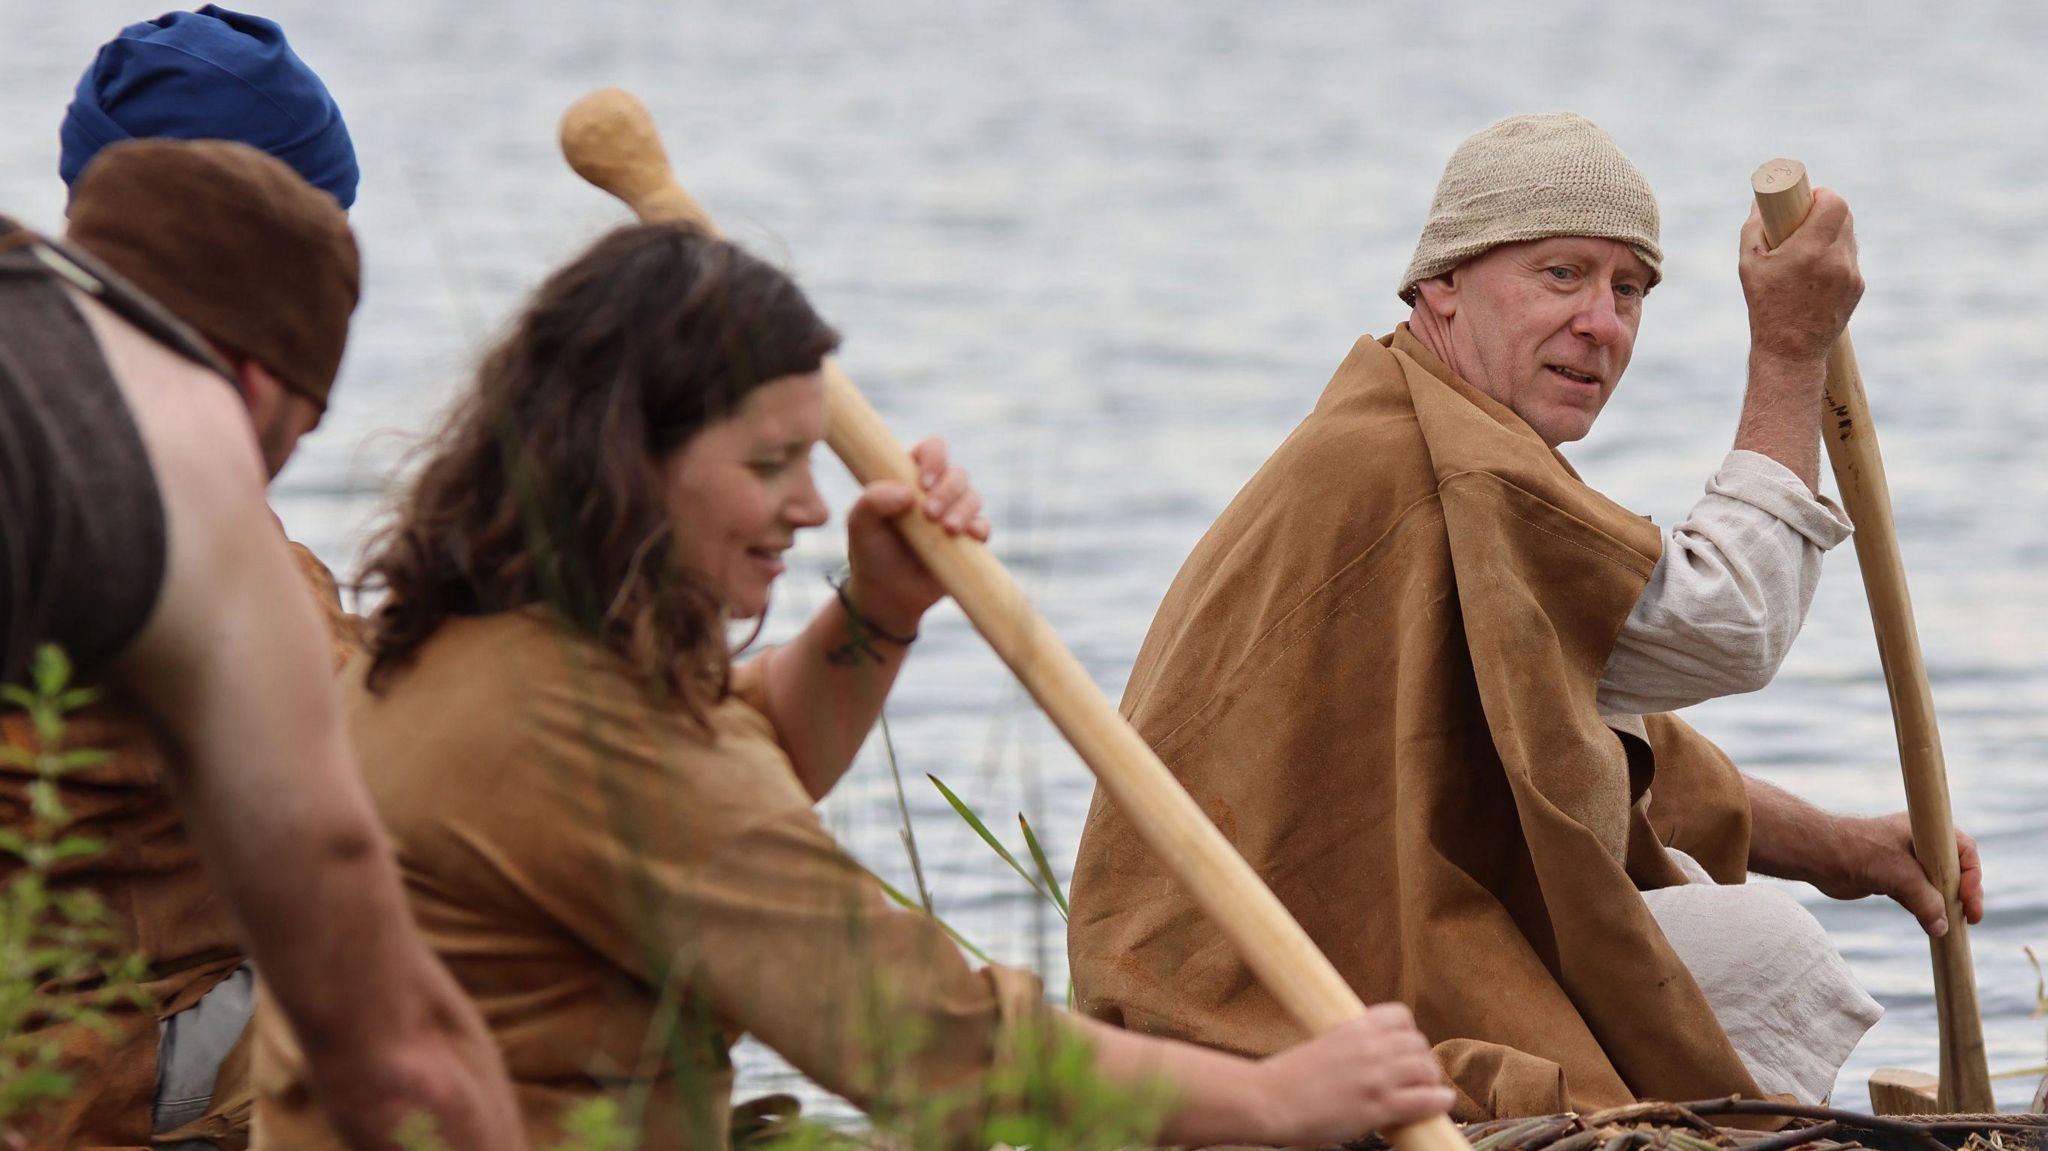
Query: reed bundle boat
point(1691, 1127)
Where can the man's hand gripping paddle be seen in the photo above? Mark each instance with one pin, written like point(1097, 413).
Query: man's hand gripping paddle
point(611, 141)
point(1784, 197)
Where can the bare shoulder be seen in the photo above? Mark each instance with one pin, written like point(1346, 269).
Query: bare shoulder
point(201, 448)
point(192, 422)
point(231, 592)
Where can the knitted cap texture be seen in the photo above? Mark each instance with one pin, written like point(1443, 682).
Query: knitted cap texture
point(1531, 178)
point(231, 241)
point(210, 75)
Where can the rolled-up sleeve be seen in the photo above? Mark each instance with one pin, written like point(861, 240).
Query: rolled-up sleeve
point(1729, 594)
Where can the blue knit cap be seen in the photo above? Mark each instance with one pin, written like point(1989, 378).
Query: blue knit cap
point(210, 74)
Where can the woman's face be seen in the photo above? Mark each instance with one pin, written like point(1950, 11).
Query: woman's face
point(739, 490)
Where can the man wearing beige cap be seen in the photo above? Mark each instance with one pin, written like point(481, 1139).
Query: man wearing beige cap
point(1422, 676)
point(199, 273)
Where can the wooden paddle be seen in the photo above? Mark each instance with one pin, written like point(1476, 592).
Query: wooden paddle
point(1783, 196)
point(611, 141)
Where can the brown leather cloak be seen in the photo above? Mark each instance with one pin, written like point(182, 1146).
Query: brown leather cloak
point(1377, 674)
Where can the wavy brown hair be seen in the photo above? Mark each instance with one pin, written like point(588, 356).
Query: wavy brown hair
point(545, 485)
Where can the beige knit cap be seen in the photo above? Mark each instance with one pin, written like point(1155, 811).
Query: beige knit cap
point(1530, 178)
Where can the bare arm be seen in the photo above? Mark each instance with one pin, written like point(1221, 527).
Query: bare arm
point(825, 689)
point(824, 692)
point(1373, 1072)
point(235, 667)
point(1849, 857)
point(1781, 412)
point(1800, 297)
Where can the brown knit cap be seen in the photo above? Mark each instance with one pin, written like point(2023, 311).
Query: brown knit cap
point(231, 241)
point(1531, 178)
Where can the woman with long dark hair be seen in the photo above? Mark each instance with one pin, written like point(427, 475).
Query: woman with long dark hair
point(606, 826)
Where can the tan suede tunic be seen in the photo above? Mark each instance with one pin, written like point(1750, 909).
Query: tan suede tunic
point(1377, 673)
point(160, 905)
point(623, 894)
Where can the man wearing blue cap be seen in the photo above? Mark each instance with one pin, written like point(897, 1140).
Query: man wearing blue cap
point(221, 75)
point(258, 261)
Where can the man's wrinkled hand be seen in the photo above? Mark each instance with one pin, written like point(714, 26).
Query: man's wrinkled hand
point(1876, 858)
point(1800, 295)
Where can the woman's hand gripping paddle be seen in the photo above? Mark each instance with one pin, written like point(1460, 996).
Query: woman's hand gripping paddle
point(611, 141)
point(1783, 197)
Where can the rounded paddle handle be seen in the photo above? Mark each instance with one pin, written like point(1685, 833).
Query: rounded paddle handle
point(609, 138)
point(611, 141)
point(1783, 198)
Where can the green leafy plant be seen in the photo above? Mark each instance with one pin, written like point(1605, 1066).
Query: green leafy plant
point(594, 1125)
point(1051, 1096)
point(1044, 1094)
point(417, 1133)
point(60, 958)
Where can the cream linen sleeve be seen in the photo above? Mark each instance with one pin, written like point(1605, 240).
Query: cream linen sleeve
point(1728, 595)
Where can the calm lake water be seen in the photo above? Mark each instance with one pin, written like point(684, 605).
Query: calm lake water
point(1113, 252)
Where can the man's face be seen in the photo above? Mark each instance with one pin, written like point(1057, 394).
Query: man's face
point(278, 435)
point(1545, 327)
point(279, 415)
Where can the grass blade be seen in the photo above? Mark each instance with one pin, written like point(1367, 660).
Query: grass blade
point(974, 821)
point(1052, 882)
point(906, 833)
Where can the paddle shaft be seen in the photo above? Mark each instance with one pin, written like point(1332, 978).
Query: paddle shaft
point(1784, 197)
point(610, 140)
